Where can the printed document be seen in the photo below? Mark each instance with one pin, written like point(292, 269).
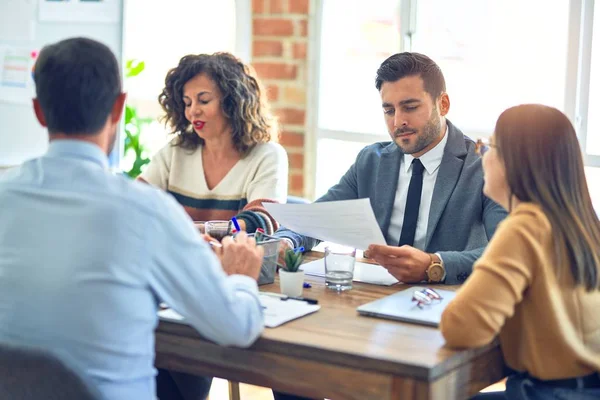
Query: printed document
point(348, 222)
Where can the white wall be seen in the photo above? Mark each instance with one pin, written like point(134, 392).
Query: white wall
point(21, 137)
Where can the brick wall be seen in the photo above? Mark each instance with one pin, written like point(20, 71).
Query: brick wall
point(279, 55)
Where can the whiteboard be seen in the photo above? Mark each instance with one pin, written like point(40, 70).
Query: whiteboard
point(21, 137)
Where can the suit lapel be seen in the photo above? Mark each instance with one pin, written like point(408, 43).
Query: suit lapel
point(448, 175)
point(387, 183)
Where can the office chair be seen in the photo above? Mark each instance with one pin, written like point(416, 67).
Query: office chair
point(32, 374)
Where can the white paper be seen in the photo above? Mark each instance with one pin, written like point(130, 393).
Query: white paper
point(347, 222)
point(101, 11)
point(16, 74)
point(363, 272)
point(275, 310)
point(17, 20)
point(278, 311)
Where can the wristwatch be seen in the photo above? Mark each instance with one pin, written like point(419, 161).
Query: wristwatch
point(436, 272)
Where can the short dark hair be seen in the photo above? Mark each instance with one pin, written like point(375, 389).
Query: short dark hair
point(243, 101)
point(77, 82)
point(405, 64)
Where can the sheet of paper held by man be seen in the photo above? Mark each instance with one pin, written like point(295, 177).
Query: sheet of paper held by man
point(347, 222)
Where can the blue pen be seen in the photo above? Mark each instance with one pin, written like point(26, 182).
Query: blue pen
point(235, 224)
point(299, 249)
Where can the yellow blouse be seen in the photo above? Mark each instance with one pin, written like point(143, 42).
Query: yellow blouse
point(547, 326)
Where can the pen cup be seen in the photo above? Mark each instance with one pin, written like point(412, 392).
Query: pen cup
point(339, 267)
point(270, 245)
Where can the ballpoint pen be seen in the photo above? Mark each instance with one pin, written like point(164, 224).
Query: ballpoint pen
point(284, 297)
point(236, 225)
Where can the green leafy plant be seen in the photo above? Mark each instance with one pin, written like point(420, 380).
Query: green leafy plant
point(134, 126)
point(293, 260)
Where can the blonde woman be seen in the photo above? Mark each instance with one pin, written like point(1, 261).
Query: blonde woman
point(537, 283)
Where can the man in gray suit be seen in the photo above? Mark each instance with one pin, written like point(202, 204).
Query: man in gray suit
point(425, 186)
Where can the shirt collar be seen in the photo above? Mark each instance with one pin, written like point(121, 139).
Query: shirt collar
point(432, 159)
point(72, 148)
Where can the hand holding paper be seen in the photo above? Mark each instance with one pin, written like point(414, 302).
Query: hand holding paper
point(347, 222)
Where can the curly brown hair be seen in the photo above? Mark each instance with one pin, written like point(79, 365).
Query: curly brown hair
point(243, 101)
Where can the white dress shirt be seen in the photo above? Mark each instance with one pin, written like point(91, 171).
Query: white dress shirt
point(431, 161)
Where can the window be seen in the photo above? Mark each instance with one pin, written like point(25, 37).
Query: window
point(593, 117)
point(160, 33)
point(494, 54)
point(353, 41)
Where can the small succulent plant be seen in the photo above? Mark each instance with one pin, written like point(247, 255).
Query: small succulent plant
point(293, 259)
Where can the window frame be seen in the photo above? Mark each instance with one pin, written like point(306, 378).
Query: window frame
point(243, 49)
point(581, 26)
point(576, 96)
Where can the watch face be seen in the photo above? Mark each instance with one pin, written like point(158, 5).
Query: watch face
point(435, 273)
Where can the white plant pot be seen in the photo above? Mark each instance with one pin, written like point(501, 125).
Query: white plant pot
point(291, 283)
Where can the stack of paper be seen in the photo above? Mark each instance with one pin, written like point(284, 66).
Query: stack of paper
point(363, 272)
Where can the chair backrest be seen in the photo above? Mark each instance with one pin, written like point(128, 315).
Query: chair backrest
point(33, 374)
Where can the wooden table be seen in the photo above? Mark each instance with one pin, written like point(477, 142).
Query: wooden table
point(337, 354)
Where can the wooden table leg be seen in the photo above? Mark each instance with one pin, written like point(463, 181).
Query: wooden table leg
point(234, 390)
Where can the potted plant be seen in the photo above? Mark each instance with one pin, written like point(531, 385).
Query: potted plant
point(291, 279)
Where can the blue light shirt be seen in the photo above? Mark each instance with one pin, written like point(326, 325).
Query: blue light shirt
point(86, 257)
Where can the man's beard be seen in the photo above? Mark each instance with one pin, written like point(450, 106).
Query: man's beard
point(429, 134)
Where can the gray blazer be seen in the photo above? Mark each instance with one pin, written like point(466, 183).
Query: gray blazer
point(461, 219)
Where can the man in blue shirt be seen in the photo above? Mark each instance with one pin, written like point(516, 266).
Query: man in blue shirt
point(86, 256)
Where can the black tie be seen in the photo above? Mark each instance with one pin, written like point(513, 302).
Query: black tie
point(413, 201)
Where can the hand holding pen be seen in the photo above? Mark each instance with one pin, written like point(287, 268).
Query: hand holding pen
point(241, 256)
point(216, 243)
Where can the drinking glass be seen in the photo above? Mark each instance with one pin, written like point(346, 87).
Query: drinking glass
point(218, 229)
point(339, 267)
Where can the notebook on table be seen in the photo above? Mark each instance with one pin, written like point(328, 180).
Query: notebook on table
point(401, 307)
point(276, 311)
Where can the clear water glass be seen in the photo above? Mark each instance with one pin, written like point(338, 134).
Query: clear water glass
point(218, 229)
point(200, 226)
point(339, 267)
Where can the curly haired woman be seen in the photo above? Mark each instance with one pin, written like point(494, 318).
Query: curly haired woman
point(223, 161)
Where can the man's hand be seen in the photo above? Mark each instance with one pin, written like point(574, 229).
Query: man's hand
point(405, 263)
point(208, 239)
point(241, 256)
point(214, 244)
